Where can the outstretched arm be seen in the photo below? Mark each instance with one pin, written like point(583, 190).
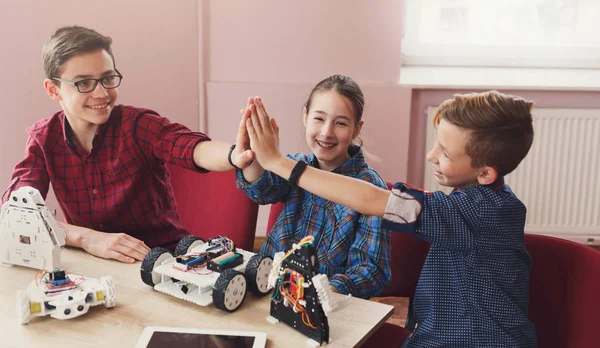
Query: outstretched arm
point(212, 155)
point(358, 195)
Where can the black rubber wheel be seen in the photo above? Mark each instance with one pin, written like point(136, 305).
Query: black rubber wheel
point(185, 244)
point(257, 272)
point(154, 258)
point(230, 290)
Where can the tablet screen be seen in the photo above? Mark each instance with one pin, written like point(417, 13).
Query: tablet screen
point(172, 337)
point(161, 339)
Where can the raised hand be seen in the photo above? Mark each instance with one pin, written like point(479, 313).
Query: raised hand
point(263, 133)
point(242, 156)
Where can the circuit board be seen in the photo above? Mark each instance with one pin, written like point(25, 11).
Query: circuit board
point(295, 300)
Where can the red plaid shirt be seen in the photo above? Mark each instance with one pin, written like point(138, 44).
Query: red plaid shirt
point(123, 184)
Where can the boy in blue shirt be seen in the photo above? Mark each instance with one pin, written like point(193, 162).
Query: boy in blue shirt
point(474, 286)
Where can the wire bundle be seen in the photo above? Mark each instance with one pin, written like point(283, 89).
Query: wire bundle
point(293, 290)
point(193, 263)
point(47, 283)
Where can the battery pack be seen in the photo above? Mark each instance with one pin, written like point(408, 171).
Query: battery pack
point(225, 261)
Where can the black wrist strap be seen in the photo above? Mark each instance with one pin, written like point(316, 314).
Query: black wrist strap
point(229, 157)
point(296, 172)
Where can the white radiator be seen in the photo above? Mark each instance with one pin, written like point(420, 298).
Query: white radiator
point(558, 180)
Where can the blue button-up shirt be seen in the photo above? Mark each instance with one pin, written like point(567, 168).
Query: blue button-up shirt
point(474, 286)
point(352, 248)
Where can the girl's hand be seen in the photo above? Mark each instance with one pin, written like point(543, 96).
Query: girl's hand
point(263, 133)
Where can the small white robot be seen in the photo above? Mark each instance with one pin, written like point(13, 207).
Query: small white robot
point(207, 272)
point(30, 237)
point(29, 234)
point(64, 296)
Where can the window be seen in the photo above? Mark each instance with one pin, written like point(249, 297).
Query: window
point(553, 34)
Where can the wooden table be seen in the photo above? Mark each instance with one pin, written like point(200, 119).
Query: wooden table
point(138, 305)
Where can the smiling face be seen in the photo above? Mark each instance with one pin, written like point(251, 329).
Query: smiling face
point(451, 164)
point(330, 127)
point(85, 110)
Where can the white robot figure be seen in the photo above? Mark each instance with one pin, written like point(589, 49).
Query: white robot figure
point(29, 234)
point(205, 273)
point(64, 296)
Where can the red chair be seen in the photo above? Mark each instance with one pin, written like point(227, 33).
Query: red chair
point(408, 253)
point(564, 294)
point(274, 213)
point(210, 204)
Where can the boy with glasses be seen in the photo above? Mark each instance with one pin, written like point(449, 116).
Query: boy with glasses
point(107, 163)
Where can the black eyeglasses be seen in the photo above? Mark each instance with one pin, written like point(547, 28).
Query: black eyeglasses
point(88, 85)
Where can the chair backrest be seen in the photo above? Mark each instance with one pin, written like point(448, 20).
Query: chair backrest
point(564, 294)
point(408, 253)
point(210, 205)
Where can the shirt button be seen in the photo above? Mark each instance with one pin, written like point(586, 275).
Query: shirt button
point(94, 191)
point(101, 225)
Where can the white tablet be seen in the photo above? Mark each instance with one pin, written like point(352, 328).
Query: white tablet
point(170, 337)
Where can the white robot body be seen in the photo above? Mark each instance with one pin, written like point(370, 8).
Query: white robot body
point(65, 301)
point(29, 233)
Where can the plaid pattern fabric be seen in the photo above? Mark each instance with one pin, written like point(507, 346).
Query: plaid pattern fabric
point(353, 250)
point(123, 184)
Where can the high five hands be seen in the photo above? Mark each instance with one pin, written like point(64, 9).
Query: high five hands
point(262, 132)
point(242, 156)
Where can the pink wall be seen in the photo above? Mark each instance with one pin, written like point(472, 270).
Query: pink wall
point(155, 46)
point(304, 41)
point(281, 49)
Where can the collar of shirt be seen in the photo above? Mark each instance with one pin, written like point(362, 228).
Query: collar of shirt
point(115, 117)
point(496, 185)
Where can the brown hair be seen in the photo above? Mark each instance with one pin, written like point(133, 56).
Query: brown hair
point(345, 86)
point(500, 125)
point(67, 42)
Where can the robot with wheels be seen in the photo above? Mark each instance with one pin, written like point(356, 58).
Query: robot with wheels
point(30, 237)
point(207, 272)
point(64, 296)
point(302, 298)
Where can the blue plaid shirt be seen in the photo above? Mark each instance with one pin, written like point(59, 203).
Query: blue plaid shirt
point(352, 248)
point(474, 286)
